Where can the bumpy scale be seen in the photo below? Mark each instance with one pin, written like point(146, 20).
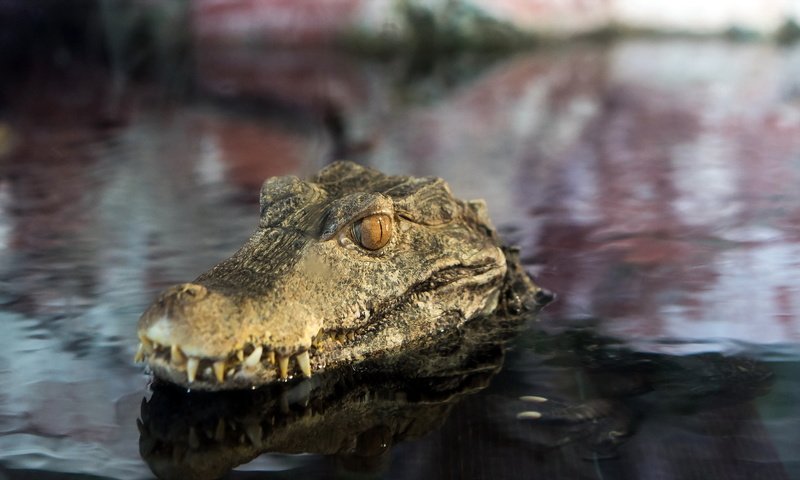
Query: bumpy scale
point(345, 266)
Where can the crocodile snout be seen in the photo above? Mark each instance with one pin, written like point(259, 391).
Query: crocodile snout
point(187, 292)
point(195, 334)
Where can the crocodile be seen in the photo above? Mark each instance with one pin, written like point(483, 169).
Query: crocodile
point(354, 416)
point(350, 264)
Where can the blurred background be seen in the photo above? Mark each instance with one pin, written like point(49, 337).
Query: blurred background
point(645, 155)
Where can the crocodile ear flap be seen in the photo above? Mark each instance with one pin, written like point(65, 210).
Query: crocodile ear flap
point(427, 201)
point(283, 197)
point(481, 212)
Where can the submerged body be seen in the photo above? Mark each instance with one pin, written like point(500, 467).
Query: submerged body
point(351, 264)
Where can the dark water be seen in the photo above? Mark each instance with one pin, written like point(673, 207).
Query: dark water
point(652, 184)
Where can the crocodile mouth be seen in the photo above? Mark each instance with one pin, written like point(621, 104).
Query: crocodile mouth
point(251, 361)
point(257, 362)
point(239, 366)
point(245, 364)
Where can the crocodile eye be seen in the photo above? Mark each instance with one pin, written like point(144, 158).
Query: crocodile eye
point(373, 232)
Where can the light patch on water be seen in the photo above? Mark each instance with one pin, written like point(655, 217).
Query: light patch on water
point(69, 402)
point(754, 299)
point(274, 463)
point(566, 131)
point(27, 451)
point(527, 113)
point(752, 233)
point(210, 168)
point(5, 217)
point(584, 191)
point(706, 180)
point(700, 76)
point(30, 356)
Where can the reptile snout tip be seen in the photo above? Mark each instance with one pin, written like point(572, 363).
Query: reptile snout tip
point(186, 292)
point(185, 316)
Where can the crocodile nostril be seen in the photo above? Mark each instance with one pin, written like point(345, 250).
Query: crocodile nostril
point(190, 292)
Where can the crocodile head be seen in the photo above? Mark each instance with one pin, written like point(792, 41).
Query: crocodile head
point(348, 265)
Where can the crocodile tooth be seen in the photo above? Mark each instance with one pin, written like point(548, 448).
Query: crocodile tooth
point(529, 415)
point(240, 355)
point(304, 363)
point(219, 370)
point(283, 364)
point(284, 402)
point(272, 357)
point(533, 398)
point(146, 344)
point(255, 357)
point(219, 433)
point(191, 368)
point(194, 441)
point(254, 433)
point(176, 355)
point(139, 357)
point(179, 453)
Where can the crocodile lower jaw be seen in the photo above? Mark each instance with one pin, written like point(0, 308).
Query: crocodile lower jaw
point(245, 367)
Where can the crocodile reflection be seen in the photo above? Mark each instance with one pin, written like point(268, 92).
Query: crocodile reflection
point(621, 390)
point(356, 414)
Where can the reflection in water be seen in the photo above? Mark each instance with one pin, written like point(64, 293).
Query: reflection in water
point(357, 417)
point(652, 184)
point(613, 413)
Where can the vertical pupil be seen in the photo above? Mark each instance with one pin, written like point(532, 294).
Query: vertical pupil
point(373, 232)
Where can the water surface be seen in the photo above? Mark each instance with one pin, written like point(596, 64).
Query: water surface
point(651, 184)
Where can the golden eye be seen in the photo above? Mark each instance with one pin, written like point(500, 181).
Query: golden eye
point(373, 232)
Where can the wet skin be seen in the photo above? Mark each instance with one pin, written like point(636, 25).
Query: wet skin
point(348, 265)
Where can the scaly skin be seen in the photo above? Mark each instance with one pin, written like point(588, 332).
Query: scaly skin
point(304, 294)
